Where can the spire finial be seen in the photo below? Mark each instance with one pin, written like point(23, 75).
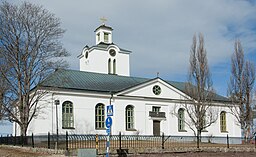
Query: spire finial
point(157, 74)
point(103, 20)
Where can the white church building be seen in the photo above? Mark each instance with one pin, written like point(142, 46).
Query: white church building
point(140, 105)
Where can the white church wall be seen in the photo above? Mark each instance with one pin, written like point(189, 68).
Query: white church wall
point(44, 118)
point(167, 91)
point(122, 64)
point(173, 114)
point(97, 62)
point(84, 116)
point(84, 113)
point(119, 117)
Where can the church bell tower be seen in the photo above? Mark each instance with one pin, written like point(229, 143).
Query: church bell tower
point(105, 57)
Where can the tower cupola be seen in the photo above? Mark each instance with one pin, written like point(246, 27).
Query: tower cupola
point(103, 34)
point(105, 57)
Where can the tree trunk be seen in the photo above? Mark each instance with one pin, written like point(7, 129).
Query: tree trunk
point(23, 133)
point(23, 129)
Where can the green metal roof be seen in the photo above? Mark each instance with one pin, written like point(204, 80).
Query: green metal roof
point(88, 81)
point(81, 80)
point(182, 87)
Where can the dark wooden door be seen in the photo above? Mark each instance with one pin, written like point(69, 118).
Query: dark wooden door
point(156, 128)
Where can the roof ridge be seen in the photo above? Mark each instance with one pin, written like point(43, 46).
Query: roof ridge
point(96, 73)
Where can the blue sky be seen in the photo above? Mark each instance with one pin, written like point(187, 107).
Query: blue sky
point(159, 33)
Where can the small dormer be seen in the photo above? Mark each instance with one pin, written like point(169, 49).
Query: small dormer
point(103, 34)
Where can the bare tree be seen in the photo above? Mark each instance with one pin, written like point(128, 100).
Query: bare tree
point(240, 89)
point(4, 87)
point(199, 87)
point(3, 91)
point(30, 50)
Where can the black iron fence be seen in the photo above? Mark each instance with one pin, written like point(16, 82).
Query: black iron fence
point(139, 143)
point(39, 141)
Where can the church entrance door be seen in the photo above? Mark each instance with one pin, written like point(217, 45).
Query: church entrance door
point(156, 128)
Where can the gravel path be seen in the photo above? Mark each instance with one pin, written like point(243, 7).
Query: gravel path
point(12, 151)
point(201, 154)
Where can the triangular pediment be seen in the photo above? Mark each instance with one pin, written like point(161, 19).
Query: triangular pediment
point(155, 88)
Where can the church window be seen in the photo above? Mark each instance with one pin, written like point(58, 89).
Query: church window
point(129, 117)
point(67, 115)
point(156, 109)
point(86, 54)
point(98, 36)
point(223, 127)
point(156, 90)
point(100, 116)
point(181, 120)
point(109, 66)
point(105, 37)
point(114, 66)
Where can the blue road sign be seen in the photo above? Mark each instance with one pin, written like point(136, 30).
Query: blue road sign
point(108, 122)
point(110, 110)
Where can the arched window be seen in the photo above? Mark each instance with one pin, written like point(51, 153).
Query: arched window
point(223, 127)
point(67, 115)
point(129, 117)
point(181, 120)
point(109, 66)
point(86, 54)
point(114, 66)
point(100, 116)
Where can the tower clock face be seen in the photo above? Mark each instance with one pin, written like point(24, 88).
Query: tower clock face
point(112, 52)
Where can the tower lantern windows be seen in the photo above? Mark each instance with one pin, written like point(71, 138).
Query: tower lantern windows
point(106, 37)
point(98, 37)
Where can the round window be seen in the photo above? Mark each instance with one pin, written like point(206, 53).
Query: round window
point(157, 90)
point(112, 52)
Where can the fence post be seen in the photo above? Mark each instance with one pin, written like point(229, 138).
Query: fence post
point(120, 141)
point(15, 140)
point(33, 144)
point(49, 142)
point(66, 140)
point(255, 141)
point(227, 141)
point(97, 143)
point(11, 139)
point(163, 141)
point(7, 139)
point(22, 140)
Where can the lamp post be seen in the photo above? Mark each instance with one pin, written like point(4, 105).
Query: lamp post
point(57, 102)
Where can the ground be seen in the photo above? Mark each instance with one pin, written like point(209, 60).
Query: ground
point(10, 151)
point(202, 154)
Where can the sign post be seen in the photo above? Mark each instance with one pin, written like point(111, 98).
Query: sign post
point(108, 126)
